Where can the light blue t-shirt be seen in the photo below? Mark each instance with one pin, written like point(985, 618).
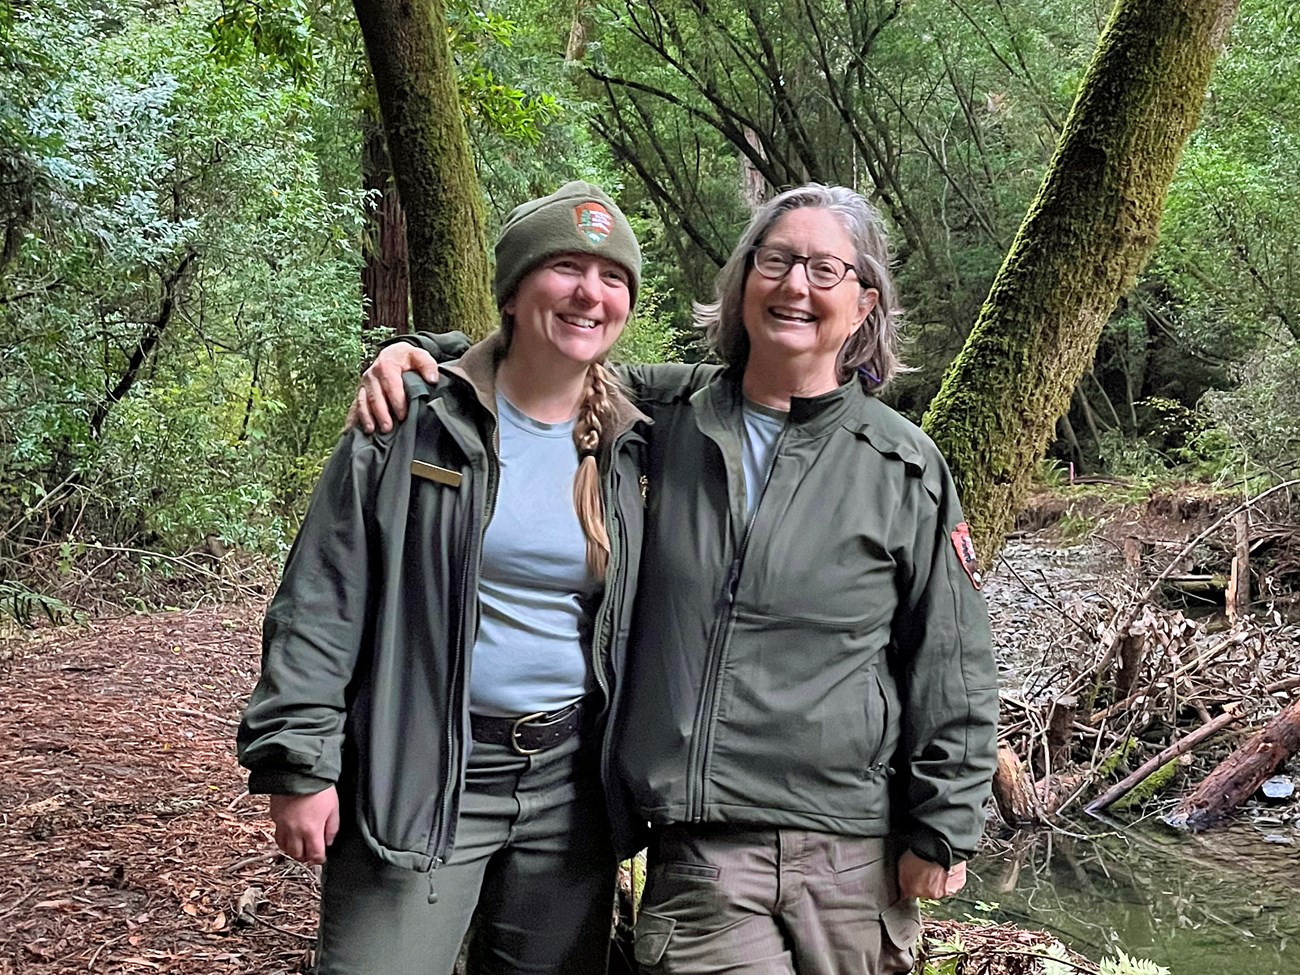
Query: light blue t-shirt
point(535, 588)
point(763, 426)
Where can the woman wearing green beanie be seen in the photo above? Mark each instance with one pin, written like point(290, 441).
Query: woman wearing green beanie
point(441, 656)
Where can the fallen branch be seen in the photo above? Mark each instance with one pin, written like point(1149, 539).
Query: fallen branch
point(1240, 774)
point(1185, 744)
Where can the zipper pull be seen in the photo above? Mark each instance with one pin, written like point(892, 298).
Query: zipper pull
point(733, 582)
point(433, 894)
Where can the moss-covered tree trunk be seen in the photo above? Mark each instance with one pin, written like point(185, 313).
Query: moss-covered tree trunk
point(406, 41)
point(1086, 236)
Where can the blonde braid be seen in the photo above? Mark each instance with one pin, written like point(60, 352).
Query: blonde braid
point(588, 429)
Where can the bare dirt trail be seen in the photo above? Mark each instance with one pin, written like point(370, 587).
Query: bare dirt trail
point(126, 839)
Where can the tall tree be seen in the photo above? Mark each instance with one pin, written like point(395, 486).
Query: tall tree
point(406, 41)
point(1086, 236)
point(943, 111)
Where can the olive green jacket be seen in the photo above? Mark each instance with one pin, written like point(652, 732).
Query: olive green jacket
point(367, 644)
point(825, 663)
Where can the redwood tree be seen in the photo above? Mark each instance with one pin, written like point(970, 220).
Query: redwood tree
point(406, 41)
point(1088, 233)
point(385, 281)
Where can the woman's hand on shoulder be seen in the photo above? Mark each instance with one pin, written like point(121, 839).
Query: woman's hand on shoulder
point(381, 396)
point(306, 825)
point(918, 877)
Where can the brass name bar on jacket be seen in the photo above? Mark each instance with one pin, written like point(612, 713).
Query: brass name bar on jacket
point(434, 473)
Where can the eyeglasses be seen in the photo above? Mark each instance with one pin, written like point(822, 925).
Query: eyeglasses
point(823, 270)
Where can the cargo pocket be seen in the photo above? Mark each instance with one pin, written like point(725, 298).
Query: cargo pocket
point(650, 937)
point(901, 922)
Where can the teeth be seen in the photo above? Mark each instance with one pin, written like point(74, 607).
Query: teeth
point(793, 313)
point(582, 322)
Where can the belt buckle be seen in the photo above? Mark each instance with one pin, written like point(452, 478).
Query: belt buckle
point(514, 734)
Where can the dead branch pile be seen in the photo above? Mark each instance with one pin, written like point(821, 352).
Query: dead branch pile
point(1141, 686)
point(995, 949)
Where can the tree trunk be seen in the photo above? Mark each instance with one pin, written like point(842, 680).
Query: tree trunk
point(1086, 236)
point(144, 348)
point(385, 280)
point(406, 41)
point(1241, 773)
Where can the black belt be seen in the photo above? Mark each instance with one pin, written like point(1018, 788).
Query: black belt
point(529, 733)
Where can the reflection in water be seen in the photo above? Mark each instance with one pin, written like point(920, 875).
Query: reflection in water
point(1224, 902)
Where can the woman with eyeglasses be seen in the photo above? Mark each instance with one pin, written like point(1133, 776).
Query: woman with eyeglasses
point(808, 720)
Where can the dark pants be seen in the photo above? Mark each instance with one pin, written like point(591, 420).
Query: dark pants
point(532, 859)
point(773, 902)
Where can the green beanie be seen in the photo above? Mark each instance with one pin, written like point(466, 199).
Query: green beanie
point(578, 218)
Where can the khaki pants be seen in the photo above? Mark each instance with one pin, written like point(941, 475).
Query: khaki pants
point(533, 860)
point(773, 902)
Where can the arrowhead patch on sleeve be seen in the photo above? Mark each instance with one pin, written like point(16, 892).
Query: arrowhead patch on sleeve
point(966, 554)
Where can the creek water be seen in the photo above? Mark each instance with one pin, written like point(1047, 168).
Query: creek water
point(1226, 902)
point(1223, 903)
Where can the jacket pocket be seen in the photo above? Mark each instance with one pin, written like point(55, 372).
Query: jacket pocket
point(652, 934)
point(878, 717)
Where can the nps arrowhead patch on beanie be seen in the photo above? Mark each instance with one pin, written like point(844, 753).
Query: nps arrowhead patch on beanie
point(578, 218)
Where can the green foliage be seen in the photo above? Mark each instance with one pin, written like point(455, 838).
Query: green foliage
point(946, 957)
point(279, 33)
point(182, 309)
point(1074, 526)
point(1056, 960)
point(508, 111)
point(197, 165)
point(25, 605)
point(944, 115)
point(1117, 760)
point(1254, 427)
point(1124, 965)
point(1052, 473)
point(649, 336)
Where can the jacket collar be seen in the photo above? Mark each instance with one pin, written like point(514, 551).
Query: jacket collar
point(810, 416)
point(478, 367)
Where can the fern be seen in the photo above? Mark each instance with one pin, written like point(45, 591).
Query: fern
point(1124, 965)
point(1057, 961)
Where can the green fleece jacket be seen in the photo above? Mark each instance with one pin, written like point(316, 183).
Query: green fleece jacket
point(822, 663)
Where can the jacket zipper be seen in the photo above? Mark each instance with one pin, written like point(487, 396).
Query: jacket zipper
point(706, 715)
point(611, 573)
point(616, 553)
point(443, 831)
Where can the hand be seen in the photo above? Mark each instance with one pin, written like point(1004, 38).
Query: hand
point(381, 387)
point(306, 825)
point(921, 878)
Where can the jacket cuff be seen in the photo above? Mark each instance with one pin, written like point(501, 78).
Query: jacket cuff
point(929, 845)
point(274, 782)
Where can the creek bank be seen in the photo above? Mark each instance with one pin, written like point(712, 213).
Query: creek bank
point(1084, 625)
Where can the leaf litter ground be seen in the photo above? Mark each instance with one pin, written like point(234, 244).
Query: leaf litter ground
point(127, 841)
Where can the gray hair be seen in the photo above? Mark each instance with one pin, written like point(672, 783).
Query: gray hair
point(872, 351)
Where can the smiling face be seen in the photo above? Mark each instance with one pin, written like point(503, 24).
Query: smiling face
point(569, 307)
point(791, 323)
